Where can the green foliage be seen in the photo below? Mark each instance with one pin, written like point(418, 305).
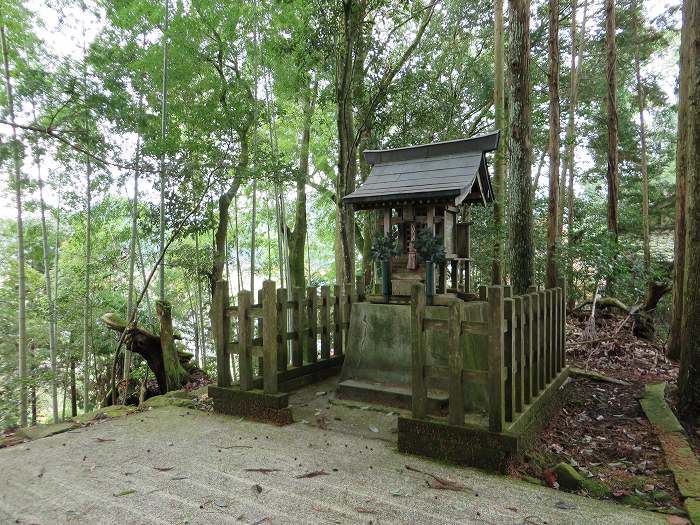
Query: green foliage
point(429, 247)
point(385, 247)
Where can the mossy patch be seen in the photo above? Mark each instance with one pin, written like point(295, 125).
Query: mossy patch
point(568, 477)
point(168, 401)
point(42, 431)
point(106, 412)
point(595, 488)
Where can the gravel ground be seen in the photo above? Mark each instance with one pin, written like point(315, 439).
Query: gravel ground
point(176, 466)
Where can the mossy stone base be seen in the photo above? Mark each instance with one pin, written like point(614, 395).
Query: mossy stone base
point(42, 431)
point(168, 401)
point(464, 445)
point(110, 411)
point(255, 404)
point(568, 477)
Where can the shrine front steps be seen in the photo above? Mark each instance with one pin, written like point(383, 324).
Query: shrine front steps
point(391, 395)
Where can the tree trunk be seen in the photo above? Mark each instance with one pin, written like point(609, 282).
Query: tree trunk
point(689, 370)
point(674, 342)
point(520, 147)
point(175, 375)
point(132, 251)
point(163, 135)
point(73, 390)
point(297, 237)
point(253, 224)
point(576, 61)
point(612, 177)
point(642, 146)
point(499, 177)
point(21, 291)
point(49, 294)
point(200, 357)
point(553, 219)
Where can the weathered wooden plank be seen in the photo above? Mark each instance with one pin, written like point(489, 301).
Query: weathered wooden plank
point(312, 318)
point(419, 391)
point(527, 348)
point(324, 328)
point(282, 357)
point(258, 322)
point(475, 328)
point(270, 327)
point(509, 361)
point(564, 292)
point(495, 359)
point(337, 322)
point(551, 333)
point(245, 362)
point(518, 336)
point(544, 338)
point(456, 360)
point(299, 326)
point(434, 324)
point(475, 376)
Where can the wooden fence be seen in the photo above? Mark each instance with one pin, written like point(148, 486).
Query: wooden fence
point(278, 338)
point(525, 341)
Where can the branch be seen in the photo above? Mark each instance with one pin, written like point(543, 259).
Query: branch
point(53, 134)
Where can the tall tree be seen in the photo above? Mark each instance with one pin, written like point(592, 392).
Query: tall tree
point(49, 290)
point(87, 306)
point(553, 219)
point(520, 146)
point(163, 133)
point(499, 178)
point(612, 175)
point(21, 278)
point(642, 141)
point(689, 371)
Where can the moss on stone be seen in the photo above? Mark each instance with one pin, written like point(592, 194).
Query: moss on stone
point(42, 431)
point(595, 488)
point(660, 496)
point(110, 411)
point(167, 401)
point(534, 481)
point(568, 477)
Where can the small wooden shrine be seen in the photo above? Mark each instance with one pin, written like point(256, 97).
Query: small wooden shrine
point(428, 186)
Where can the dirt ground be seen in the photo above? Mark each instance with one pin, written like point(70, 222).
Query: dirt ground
point(601, 429)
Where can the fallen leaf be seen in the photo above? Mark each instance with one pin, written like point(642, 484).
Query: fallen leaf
point(220, 503)
point(550, 478)
point(262, 470)
point(312, 474)
point(124, 493)
point(163, 469)
point(266, 519)
point(374, 429)
point(257, 488)
point(104, 440)
point(178, 478)
point(365, 510)
point(565, 506)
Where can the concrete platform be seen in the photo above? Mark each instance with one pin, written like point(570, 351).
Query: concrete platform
point(175, 466)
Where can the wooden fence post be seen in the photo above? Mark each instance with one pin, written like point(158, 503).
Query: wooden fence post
point(551, 332)
point(544, 338)
point(245, 361)
point(537, 380)
point(519, 347)
point(564, 292)
point(325, 330)
point(509, 361)
point(496, 324)
point(419, 391)
point(483, 292)
point(282, 357)
point(258, 331)
point(456, 360)
point(299, 327)
point(348, 299)
point(220, 322)
point(337, 322)
point(312, 318)
point(269, 335)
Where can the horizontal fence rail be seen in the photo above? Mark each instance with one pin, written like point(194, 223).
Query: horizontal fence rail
point(284, 331)
point(525, 337)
